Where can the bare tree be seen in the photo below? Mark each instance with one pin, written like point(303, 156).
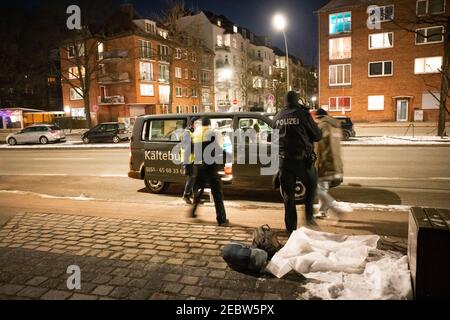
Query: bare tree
point(278, 88)
point(414, 23)
point(80, 65)
point(246, 77)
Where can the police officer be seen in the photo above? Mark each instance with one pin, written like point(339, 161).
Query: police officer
point(298, 132)
point(206, 170)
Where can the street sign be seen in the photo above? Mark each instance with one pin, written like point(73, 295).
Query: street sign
point(235, 102)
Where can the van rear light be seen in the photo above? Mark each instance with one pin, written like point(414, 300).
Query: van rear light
point(228, 169)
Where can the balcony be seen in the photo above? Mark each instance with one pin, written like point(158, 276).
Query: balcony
point(111, 100)
point(113, 78)
point(114, 55)
point(258, 58)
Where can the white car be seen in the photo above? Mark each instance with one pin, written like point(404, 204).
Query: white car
point(40, 133)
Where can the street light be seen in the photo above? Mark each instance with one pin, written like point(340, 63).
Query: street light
point(313, 100)
point(279, 22)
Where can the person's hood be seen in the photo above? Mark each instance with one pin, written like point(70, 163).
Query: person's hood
point(292, 99)
point(330, 120)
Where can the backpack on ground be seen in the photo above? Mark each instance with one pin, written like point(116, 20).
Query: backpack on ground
point(264, 238)
point(243, 258)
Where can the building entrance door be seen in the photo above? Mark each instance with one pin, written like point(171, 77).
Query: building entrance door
point(402, 110)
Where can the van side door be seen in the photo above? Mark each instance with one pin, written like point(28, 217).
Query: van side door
point(162, 158)
point(252, 153)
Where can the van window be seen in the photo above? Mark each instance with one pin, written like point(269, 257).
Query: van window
point(261, 128)
point(164, 130)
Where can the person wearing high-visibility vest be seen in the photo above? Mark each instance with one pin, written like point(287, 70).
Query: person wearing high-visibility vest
point(187, 156)
point(207, 170)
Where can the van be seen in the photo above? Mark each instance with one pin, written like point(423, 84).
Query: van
point(155, 136)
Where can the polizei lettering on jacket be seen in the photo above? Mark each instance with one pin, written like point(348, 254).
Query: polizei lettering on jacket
point(161, 156)
point(288, 122)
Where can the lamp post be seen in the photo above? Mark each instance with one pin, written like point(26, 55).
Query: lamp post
point(279, 22)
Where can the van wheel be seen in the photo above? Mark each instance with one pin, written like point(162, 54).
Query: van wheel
point(300, 191)
point(156, 186)
point(345, 136)
point(43, 140)
point(12, 141)
point(116, 139)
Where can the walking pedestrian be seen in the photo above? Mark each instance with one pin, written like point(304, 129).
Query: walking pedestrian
point(207, 170)
point(187, 156)
point(297, 132)
point(329, 164)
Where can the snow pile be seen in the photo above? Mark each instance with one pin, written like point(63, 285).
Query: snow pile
point(343, 267)
point(82, 197)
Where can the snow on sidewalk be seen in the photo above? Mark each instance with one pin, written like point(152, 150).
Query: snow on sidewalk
point(398, 140)
point(343, 267)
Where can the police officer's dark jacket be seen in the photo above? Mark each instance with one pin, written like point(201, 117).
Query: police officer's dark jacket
point(298, 131)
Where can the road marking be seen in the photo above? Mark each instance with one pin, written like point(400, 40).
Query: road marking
point(62, 159)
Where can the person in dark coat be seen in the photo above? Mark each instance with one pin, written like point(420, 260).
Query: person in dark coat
point(297, 134)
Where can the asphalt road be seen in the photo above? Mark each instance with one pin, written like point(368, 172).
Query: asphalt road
point(382, 175)
point(414, 176)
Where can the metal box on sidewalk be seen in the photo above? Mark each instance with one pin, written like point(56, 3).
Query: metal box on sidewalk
point(429, 252)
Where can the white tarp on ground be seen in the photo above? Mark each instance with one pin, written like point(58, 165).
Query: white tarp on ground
point(343, 267)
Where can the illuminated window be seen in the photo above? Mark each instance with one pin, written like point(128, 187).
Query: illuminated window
point(375, 103)
point(381, 40)
point(340, 74)
point(76, 94)
point(147, 90)
point(340, 48)
point(339, 103)
point(427, 65)
point(340, 22)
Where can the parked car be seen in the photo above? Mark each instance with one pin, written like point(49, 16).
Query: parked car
point(347, 127)
point(39, 133)
point(153, 140)
point(107, 132)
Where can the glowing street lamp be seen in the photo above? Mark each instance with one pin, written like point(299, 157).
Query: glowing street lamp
point(280, 23)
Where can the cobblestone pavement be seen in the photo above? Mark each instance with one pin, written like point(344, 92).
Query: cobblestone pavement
point(129, 259)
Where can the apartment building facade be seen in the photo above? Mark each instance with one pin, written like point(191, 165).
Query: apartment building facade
point(246, 65)
point(139, 70)
point(387, 69)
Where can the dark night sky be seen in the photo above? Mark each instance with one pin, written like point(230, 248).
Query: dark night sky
point(255, 15)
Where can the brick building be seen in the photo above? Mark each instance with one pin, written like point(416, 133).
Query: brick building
point(379, 71)
point(138, 69)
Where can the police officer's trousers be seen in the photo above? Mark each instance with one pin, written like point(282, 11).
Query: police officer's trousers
point(290, 171)
point(207, 175)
